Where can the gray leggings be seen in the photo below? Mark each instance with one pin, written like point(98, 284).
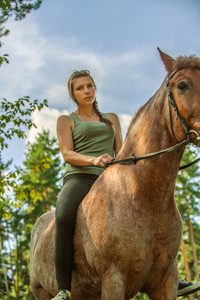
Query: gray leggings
point(75, 188)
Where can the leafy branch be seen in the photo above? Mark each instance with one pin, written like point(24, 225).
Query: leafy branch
point(14, 115)
point(9, 183)
point(18, 8)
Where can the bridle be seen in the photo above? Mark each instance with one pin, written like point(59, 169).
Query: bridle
point(171, 103)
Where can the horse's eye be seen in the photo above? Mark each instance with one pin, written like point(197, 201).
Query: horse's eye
point(182, 86)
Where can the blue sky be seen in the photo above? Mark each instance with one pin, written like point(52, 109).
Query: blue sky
point(116, 40)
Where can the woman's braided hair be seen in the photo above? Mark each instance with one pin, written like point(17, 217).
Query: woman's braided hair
point(86, 73)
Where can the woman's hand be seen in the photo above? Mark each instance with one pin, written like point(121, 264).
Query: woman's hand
point(101, 160)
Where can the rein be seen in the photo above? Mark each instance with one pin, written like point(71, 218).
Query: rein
point(171, 101)
point(134, 159)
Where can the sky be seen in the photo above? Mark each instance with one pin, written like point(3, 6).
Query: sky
point(115, 40)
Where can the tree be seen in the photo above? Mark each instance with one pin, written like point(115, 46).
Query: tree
point(13, 115)
point(45, 182)
point(187, 198)
point(14, 119)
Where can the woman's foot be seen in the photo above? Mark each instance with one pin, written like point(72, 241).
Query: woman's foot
point(186, 288)
point(62, 295)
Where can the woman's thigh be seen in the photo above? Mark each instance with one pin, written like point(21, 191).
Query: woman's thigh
point(71, 195)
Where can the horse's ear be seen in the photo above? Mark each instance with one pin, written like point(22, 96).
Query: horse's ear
point(167, 60)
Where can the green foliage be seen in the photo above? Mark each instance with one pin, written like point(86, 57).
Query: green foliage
point(18, 8)
point(187, 187)
point(40, 175)
point(141, 296)
point(3, 58)
point(14, 115)
point(4, 4)
point(4, 7)
point(187, 197)
point(14, 120)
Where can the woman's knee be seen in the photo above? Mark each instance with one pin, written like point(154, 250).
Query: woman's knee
point(64, 219)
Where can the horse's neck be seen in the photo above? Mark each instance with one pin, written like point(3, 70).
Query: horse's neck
point(149, 133)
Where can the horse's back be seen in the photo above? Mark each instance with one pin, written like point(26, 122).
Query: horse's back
point(41, 257)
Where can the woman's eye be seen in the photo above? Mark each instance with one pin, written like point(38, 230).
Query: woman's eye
point(182, 86)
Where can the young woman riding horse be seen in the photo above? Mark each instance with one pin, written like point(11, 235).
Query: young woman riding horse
point(128, 228)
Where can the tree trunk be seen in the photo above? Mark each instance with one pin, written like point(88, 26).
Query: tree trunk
point(46, 198)
point(4, 269)
point(186, 264)
point(16, 265)
point(185, 261)
point(193, 248)
point(11, 260)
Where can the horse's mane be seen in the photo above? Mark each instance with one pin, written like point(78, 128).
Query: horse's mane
point(137, 115)
point(143, 108)
point(185, 62)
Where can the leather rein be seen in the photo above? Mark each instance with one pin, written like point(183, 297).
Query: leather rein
point(171, 102)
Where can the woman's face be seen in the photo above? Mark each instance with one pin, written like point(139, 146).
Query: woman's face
point(84, 90)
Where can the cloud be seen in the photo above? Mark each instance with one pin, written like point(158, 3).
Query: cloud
point(25, 47)
point(125, 121)
point(46, 119)
point(40, 66)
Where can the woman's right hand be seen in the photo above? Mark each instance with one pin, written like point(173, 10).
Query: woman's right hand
point(101, 160)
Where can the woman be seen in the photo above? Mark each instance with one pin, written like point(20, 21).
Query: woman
point(87, 139)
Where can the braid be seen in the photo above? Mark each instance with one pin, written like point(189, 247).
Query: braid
point(99, 114)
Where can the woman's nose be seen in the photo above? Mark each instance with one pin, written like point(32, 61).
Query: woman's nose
point(86, 90)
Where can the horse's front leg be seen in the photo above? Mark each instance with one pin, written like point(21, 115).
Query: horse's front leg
point(41, 294)
point(167, 288)
point(112, 286)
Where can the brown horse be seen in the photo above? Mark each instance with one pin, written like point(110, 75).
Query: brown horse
point(128, 228)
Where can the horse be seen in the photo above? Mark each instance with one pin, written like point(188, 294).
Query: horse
point(128, 228)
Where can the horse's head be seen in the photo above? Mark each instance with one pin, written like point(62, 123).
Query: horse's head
point(183, 84)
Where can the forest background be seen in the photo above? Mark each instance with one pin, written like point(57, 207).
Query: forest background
point(32, 188)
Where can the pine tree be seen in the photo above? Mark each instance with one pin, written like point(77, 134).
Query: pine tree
point(42, 175)
point(40, 183)
point(187, 198)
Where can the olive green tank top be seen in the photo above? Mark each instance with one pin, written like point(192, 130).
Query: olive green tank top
point(91, 139)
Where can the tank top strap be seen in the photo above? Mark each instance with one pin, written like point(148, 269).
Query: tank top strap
point(78, 120)
point(75, 119)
